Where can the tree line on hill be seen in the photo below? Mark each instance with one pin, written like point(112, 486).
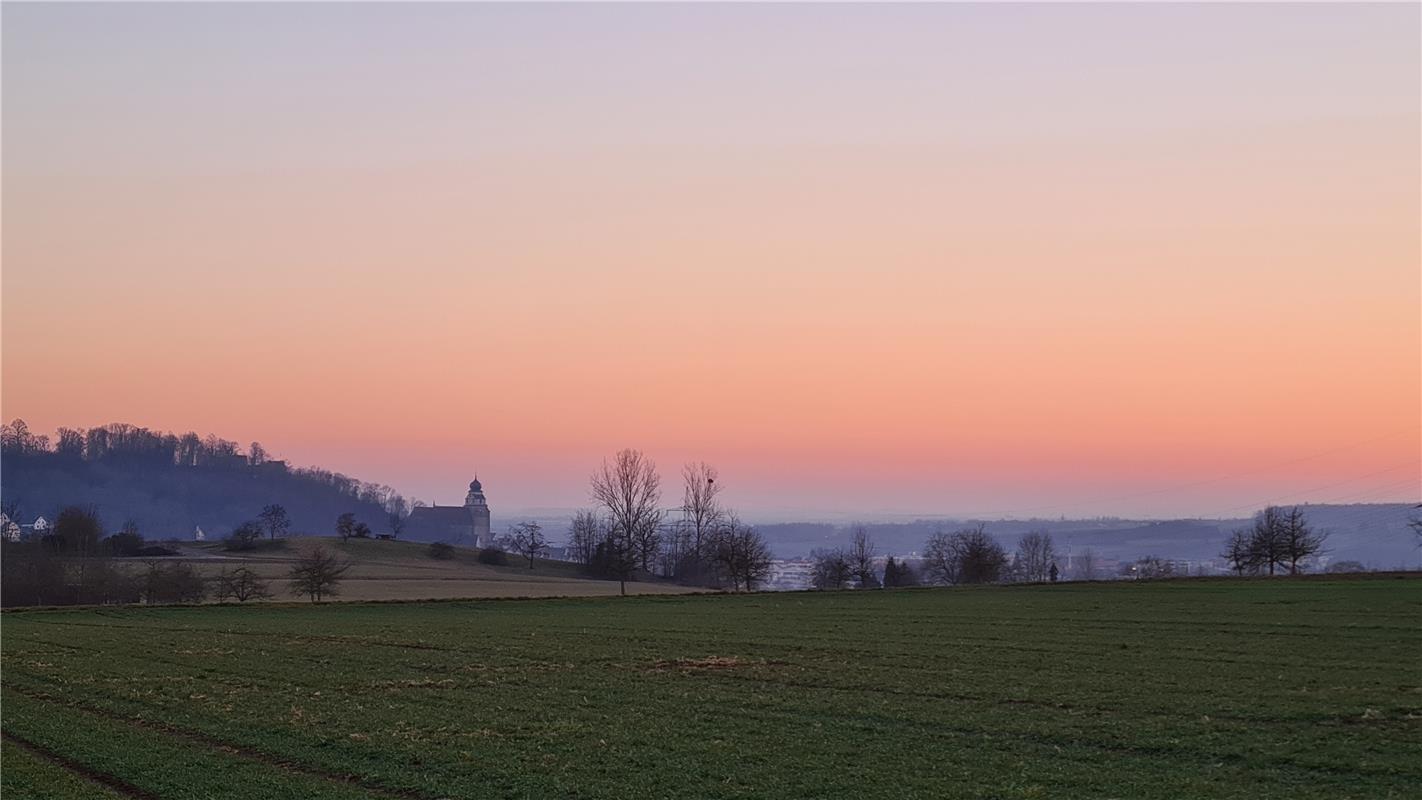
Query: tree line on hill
point(172, 483)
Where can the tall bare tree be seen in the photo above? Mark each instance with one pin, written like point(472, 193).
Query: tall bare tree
point(1035, 554)
point(70, 443)
point(740, 552)
point(861, 558)
point(699, 506)
point(677, 557)
point(1238, 552)
point(397, 511)
point(940, 559)
point(1266, 540)
point(584, 535)
point(1298, 541)
point(831, 569)
point(629, 489)
point(275, 519)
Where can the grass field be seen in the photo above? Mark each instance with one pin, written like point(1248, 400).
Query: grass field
point(398, 570)
point(1248, 689)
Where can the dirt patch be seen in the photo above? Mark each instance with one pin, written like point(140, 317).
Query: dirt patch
point(705, 664)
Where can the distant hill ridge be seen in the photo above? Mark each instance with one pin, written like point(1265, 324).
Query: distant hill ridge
point(1374, 533)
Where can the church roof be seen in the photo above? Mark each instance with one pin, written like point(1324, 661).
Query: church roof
point(448, 515)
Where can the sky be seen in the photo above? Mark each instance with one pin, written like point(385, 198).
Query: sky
point(1006, 260)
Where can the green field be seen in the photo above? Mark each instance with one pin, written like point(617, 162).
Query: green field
point(1249, 689)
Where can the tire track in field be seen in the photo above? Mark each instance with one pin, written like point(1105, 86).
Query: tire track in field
point(208, 741)
point(76, 768)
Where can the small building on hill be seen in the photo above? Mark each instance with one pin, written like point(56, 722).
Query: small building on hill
point(466, 524)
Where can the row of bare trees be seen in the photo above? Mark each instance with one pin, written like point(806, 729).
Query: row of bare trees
point(630, 533)
point(965, 556)
point(1279, 539)
point(837, 568)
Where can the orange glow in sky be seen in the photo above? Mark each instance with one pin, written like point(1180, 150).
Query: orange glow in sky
point(865, 259)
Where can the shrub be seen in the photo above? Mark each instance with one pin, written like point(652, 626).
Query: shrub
point(494, 556)
point(442, 551)
point(1344, 567)
point(125, 543)
point(173, 582)
point(245, 537)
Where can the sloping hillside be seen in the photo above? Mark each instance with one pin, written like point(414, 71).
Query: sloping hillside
point(395, 570)
point(169, 484)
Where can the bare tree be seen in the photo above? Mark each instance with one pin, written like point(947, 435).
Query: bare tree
point(861, 558)
point(740, 552)
point(1297, 541)
point(967, 556)
point(677, 556)
point(1415, 523)
point(940, 559)
point(256, 454)
point(831, 569)
point(1035, 554)
point(397, 510)
point(584, 535)
point(317, 573)
point(698, 503)
point(630, 491)
point(756, 559)
point(275, 519)
point(981, 558)
point(1266, 541)
point(346, 526)
point(1238, 552)
point(70, 443)
point(528, 541)
point(241, 584)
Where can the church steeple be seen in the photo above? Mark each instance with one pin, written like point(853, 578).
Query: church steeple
point(478, 509)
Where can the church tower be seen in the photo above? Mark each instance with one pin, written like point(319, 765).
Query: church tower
point(478, 512)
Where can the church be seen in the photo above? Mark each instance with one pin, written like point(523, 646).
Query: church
point(467, 524)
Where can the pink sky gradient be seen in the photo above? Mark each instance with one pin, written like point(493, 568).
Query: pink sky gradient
point(865, 259)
